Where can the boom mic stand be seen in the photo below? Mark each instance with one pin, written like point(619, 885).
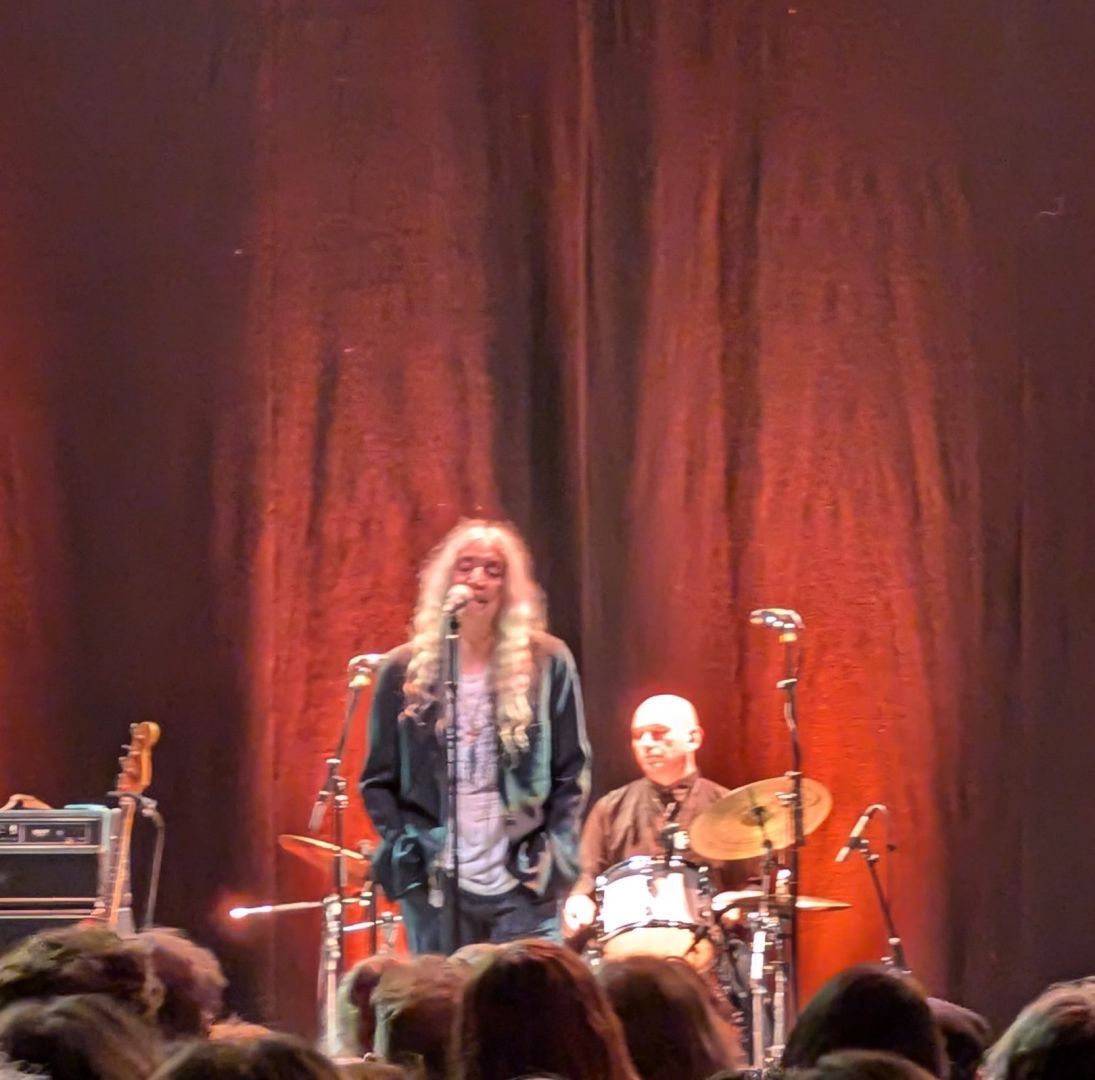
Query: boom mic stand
point(789, 624)
point(896, 959)
point(333, 794)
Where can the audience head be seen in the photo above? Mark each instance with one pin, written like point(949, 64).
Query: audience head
point(415, 1005)
point(79, 1037)
point(193, 982)
point(867, 1007)
point(81, 959)
point(235, 1027)
point(371, 1070)
point(669, 1022)
point(536, 1009)
point(966, 1036)
point(272, 1057)
point(474, 956)
point(862, 1065)
point(1053, 1038)
point(356, 1018)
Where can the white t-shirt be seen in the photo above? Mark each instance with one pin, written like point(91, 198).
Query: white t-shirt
point(480, 827)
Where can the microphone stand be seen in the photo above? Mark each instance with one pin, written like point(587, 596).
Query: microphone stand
point(788, 685)
point(896, 959)
point(333, 793)
point(452, 678)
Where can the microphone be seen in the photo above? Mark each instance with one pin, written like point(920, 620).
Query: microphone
point(361, 668)
point(456, 599)
point(857, 831)
point(788, 622)
point(778, 618)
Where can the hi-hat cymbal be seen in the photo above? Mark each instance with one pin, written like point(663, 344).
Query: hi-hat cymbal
point(739, 824)
point(321, 854)
point(751, 898)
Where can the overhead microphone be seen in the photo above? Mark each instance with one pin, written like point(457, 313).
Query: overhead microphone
point(456, 599)
point(787, 622)
point(857, 831)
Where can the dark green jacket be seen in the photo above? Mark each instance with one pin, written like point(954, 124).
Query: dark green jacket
point(543, 793)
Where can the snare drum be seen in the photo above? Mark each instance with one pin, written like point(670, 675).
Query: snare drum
point(655, 907)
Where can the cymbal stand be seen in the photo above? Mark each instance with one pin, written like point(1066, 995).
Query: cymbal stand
point(780, 980)
point(793, 800)
point(766, 934)
point(761, 928)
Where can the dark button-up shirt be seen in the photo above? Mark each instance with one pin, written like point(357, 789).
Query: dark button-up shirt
point(630, 821)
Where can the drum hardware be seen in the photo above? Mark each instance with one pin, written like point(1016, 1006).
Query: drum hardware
point(857, 841)
point(758, 819)
point(330, 949)
point(349, 870)
point(335, 928)
point(757, 944)
point(388, 922)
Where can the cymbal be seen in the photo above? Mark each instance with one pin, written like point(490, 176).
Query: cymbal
point(321, 854)
point(750, 898)
point(737, 826)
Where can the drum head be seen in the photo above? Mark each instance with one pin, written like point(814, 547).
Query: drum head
point(653, 939)
point(653, 907)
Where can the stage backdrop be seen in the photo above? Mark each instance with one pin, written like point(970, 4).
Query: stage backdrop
point(726, 303)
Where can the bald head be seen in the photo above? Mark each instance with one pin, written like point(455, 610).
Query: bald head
point(665, 735)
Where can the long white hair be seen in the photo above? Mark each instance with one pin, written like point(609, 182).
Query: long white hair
point(521, 612)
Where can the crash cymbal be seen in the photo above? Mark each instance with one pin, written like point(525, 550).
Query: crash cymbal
point(321, 854)
point(751, 898)
point(739, 824)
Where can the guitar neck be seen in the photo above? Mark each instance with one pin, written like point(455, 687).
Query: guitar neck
point(117, 910)
point(136, 772)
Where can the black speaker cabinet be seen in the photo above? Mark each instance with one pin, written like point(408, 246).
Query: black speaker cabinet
point(52, 867)
point(14, 926)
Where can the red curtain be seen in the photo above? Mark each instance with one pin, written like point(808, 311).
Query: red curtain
point(725, 304)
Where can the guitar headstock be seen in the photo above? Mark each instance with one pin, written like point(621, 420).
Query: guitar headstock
point(136, 766)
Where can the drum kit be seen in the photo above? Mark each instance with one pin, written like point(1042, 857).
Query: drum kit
point(664, 906)
point(661, 905)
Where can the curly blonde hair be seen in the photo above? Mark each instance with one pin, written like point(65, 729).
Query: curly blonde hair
point(520, 615)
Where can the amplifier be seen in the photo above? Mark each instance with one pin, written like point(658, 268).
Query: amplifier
point(54, 860)
point(16, 925)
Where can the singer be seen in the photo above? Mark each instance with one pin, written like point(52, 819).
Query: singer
point(523, 759)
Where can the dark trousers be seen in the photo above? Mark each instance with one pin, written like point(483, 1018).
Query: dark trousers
point(516, 914)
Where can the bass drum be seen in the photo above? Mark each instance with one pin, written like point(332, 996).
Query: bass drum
point(649, 906)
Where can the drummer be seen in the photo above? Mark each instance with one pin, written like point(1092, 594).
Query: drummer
point(651, 815)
